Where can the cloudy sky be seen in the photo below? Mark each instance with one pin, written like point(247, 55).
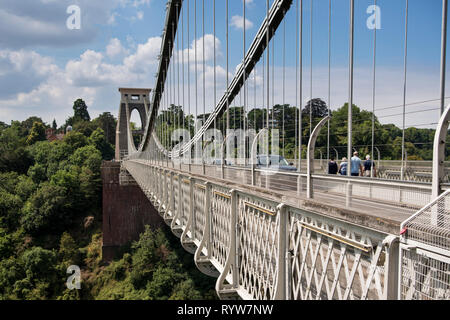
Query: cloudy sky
point(45, 66)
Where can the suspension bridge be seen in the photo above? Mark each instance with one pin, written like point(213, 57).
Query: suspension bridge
point(268, 228)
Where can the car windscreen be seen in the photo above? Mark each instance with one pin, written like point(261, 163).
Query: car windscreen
point(274, 161)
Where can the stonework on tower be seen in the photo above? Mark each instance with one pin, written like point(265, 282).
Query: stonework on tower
point(131, 99)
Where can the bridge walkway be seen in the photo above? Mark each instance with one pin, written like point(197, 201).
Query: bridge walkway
point(374, 203)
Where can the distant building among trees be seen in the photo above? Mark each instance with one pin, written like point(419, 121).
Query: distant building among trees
point(51, 135)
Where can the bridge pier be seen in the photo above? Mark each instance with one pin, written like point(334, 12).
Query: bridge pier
point(126, 211)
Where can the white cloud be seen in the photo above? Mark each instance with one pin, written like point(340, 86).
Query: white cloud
point(189, 54)
point(29, 23)
point(32, 84)
point(238, 22)
point(51, 90)
point(145, 56)
point(115, 49)
point(23, 70)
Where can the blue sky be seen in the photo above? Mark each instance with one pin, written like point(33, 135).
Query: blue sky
point(44, 66)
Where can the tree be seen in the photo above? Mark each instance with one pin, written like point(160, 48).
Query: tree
point(164, 280)
point(87, 156)
point(75, 140)
point(13, 153)
point(3, 125)
point(38, 260)
point(185, 291)
point(98, 140)
point(10, 205)
point(54, 125)
point(80, 111)
point(41, 277)
point(84, 127)
point(25, 126)
point(258, 115)
point(319, 108)
point(37, 133)
point(107, 123)
point(68, 251)
point(46, 210)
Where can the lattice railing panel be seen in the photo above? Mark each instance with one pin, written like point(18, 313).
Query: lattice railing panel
point(185, 199)
point(425, 252)
point(258, 226)
point(220, 223)
point(333, 261)
point(431, 225)
point(424, 277)
point(199, 211)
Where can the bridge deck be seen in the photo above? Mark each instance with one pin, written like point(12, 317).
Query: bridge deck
point(377, 214)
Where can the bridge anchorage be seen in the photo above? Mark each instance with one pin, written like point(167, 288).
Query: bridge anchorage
point(268, 228)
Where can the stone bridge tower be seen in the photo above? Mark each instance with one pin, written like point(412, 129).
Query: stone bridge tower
point(130, 100)
point(126, 209)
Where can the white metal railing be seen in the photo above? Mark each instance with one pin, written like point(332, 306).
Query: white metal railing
point(263, 249)
point(345, 191)
point(425, 252)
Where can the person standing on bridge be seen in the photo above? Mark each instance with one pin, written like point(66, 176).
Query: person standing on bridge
point(368, 166)
point(356, 167)
point(332, 166)
point(343, 167)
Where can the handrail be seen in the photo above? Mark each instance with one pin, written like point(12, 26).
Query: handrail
point(439, 153)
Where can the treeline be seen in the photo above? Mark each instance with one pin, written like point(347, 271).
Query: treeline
point(50, 219)
point(387, 137)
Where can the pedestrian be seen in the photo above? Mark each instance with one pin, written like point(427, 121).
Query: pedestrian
point(368, 166)
point(343, 167)
point(356, 168)
point(332, 166)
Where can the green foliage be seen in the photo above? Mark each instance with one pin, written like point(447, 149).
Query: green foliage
point(46, 210)
point(37, 259)
point(163, 283)
point(68, 250)
point(154, 270)
point(9, 206)
point(98, 139)
point(80, 112)
point(85, 127)
point(10, 273)
point(13, 153)
point(6, 244)
point(27, 125)
point(37, 133)
point(107, 123)
point(75, 140)
point(317, 107)
point(186, 291)
point(37, 173)
point(47, 190)
point(41, 280)
point(87, 156)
